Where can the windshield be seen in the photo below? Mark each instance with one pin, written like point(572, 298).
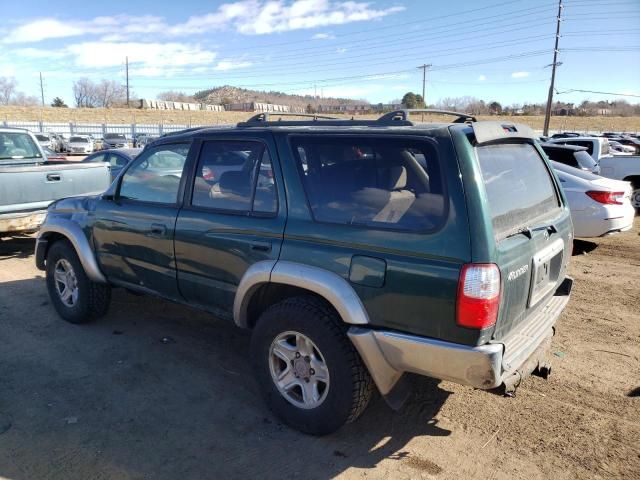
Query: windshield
point(79, 140)
point(17, 145)
point(42, 138)
point(114, 136)
point(518, 184)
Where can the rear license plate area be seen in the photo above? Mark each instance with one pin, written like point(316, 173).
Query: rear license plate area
point(547, 265)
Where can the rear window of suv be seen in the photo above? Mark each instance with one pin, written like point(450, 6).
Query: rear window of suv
point(518, 184)
point(387, 183)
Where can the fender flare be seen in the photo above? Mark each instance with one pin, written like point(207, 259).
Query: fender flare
point(72, 232)
point(332, 287)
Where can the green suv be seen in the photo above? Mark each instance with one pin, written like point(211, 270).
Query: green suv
point(355, 250)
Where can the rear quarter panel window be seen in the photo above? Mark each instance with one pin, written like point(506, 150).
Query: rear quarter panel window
point(518, 185)
point(386, 183)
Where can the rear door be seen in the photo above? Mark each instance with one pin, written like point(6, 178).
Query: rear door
point(531, 227)
point(234, 216)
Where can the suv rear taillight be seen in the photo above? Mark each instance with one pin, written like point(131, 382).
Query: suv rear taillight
point(607, 198)
point(478, 295)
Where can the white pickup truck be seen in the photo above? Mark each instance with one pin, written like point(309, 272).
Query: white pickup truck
point(28, 184)
point(618, 167)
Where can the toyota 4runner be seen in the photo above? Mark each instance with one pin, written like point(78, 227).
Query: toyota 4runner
point(355, 250)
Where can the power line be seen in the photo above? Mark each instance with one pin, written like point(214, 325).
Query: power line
point(600, 93)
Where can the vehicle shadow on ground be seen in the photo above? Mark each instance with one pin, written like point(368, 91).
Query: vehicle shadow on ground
point(16, 247)
point(157, 390)
point(582, 247)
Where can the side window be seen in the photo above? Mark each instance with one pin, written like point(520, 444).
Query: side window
point(235, 176)
point(155, 175)
point(116, 161)
point(101, 157)
point(384, 183)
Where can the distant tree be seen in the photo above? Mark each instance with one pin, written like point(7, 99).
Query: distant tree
point(110, 93)
point(23, 100)
point(173, 96)
point(495, 108)
point(59, 103)
point(7, 89)
point(310, 109)
point(85, 93)
point(409, 100)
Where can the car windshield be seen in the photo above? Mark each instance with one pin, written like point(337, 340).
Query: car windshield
point(42, 138)
point(17, 145)
point(79, 140)
point(114, 136)
point(519, 188)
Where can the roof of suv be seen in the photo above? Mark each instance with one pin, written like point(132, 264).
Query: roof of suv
point(484, 131)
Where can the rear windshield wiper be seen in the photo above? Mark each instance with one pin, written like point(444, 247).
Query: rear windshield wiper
point(528, 231)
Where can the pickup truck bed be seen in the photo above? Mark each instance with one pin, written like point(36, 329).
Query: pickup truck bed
point(27, 190)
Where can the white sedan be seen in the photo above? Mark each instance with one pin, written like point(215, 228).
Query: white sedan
point(599, 206)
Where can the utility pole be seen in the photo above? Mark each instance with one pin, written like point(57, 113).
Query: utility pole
point(126, 59)
point(547, 115)
point(41, 89)
point(424, 83)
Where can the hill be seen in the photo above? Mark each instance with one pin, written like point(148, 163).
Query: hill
point(228, 94)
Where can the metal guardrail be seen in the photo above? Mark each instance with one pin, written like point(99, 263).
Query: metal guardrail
point(97, 129)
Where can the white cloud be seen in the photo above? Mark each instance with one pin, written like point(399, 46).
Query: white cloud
point(249, 17)
point(519, 74)
point(323, 36)
point(482, 78)
point(147, 55)
point(225, 65)
point(341, 50)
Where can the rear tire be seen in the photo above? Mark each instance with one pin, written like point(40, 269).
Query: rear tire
point(75, 297)
point(303, 341)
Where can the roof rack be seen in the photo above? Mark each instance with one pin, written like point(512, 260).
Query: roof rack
point(403, 115)
point(264, 116)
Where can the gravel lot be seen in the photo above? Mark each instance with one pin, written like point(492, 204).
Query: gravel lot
point(159, 391)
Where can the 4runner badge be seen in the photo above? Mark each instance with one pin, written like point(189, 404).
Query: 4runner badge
point(518, 272)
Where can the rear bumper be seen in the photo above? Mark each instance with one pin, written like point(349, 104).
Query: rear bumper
point(389, 354)
point(22, 222)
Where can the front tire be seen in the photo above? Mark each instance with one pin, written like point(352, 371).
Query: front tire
point(75, 297)
point(309, 372)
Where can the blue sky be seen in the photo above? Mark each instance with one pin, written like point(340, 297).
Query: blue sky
point(358, 49)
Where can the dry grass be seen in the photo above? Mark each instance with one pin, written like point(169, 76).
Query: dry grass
point(128, 116)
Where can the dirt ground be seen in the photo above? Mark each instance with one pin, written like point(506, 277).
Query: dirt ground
point(159, 391)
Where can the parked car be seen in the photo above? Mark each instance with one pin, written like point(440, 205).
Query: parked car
point(145, 140)
point(439, 250)
point(63, 140)
point(566, 135)
point(617, 167)
point(80, 144)
point(28, 185)
point(572, 156)
point(52, 156)
point(630, 142)
point(114, 140)
point(117, 159)
point(617, 148)
point(46, 140)
point(599, 206)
